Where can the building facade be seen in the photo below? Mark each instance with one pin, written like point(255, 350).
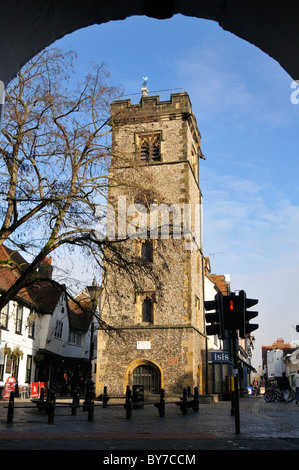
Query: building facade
point(273, 359)
point(156, 313)
point(44, 337)
point(219, 366)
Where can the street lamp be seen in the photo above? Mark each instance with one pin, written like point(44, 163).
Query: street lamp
point(94, 292)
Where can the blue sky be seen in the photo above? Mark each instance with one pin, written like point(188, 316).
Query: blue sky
point(242, 101)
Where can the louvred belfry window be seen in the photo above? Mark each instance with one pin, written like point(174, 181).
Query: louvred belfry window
point(150, 147)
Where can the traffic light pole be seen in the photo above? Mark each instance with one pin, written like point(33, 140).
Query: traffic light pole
point(229, 313)
point(235, 394)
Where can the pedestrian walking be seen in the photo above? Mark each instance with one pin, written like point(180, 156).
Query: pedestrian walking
point(64, 385)
point(296, 381)
point(285, 387)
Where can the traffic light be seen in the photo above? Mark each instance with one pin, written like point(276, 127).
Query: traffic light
point(245, 316)
point(231, 307)
point(215, 318)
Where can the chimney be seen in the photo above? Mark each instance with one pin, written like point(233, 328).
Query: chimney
point(46, 268)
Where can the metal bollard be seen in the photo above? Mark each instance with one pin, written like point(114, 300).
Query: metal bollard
point(105, 397)
point(46, 407)
point(183, 406)
point(41, 400)
point(11, 406)
point(51, 408)
point(161, 405)
point(195, 406)
point(128, 405)
point(42, 394)
point(75, 402)
point(91, 405)
point(89, 391)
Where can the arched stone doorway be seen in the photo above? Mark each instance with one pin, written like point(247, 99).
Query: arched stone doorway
point(147, 376)
point(145, 373)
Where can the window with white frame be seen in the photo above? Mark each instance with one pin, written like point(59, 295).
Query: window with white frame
point(19, 320)
point(58, 329)
point(75, 337)
point(4, 317)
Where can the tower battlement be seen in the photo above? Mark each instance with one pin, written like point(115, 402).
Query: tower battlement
point(151, 108)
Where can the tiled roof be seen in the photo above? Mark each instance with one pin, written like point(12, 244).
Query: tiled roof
point(220, 282)
point(80, 318)
point(42, 295)
point(218, 279)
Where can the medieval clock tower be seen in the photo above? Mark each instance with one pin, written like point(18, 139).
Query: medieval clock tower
point(156, 307)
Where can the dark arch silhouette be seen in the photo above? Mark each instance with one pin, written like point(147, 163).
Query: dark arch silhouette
point(29, 26)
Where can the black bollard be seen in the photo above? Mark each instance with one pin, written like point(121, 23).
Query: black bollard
point(75, 402)
point(195, 406)
point(91, 405)
point(42, 394)
point(105, 397)
point(161, 405)
point(40, 406)
point(183, 406)
point(88, 394)
point(51, 408)
point(128, 405)
point(11, 406)
point(46, 407)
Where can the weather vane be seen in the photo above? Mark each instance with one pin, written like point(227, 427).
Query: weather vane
point(144, 89)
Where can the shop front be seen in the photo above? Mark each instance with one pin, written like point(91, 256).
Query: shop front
point(220, 370)
point(63, 374)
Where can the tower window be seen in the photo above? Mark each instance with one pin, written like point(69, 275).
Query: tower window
point(147, 310)
point(144, 151)
point(150, 147)
point(147, 251)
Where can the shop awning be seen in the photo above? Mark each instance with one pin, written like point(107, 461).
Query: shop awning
point(249, 366)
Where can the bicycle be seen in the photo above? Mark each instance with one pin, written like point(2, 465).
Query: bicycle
point(274, 393)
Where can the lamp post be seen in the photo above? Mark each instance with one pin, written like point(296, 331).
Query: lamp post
point(94, 294)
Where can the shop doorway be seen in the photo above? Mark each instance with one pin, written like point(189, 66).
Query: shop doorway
point(148, 377)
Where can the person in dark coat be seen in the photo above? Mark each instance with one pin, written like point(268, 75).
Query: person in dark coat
point(285, 386)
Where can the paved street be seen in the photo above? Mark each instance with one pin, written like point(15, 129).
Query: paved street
point(263, 426)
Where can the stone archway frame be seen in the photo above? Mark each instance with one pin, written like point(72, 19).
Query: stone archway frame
point(30, 26)
point(140, 362)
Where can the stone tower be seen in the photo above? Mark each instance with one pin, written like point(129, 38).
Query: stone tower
point(156, 311)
